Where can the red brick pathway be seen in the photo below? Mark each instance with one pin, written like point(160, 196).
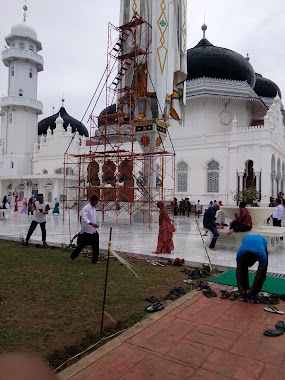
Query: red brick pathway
point(200, 338)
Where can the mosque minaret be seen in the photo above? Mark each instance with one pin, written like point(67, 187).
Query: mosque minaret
point(20, 109)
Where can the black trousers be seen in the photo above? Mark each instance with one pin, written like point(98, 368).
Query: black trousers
point(277, 223)
point(245, 279)
point(237, 227)
point(33, 227)
point(87, 239)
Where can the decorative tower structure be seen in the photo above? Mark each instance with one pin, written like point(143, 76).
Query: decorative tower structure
point(20, 109)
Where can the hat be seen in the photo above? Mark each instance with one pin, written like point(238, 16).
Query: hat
point(220, 203)
point(216, 204)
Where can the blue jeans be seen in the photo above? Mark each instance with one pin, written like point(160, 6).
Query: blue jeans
point(215, 233)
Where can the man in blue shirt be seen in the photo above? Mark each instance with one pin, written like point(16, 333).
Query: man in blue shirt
point(253, 248)
point(209, 222)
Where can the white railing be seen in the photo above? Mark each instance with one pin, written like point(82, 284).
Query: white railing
point(21, 101)
point(22, 53)
point(250, 128)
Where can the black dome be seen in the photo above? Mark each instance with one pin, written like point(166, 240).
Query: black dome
point(207, 60)
point(44, 124)
point(265, 87)
point(107, 111)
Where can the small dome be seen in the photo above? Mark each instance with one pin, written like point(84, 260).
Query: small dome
point(59, 119)
point(207, 60)
point(50, 121)
point(107, 111)
point(265, 87)
point(24, 30)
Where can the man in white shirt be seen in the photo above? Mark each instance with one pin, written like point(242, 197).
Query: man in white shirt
point(278, 214)
point(88, 234)
point(41, 209)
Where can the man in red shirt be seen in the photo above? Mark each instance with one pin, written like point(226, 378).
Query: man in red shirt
point(242, 222)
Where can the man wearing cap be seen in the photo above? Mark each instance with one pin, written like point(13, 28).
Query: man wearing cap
point(209, 222)
point(253, 248)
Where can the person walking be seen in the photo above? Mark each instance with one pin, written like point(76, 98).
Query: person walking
point(24, 206)
point(41, 209)
point(198, 209)
point(278, 214)
point(56, 206)
point(209, 222)
point(16, 203)
point(30, 206)
point(165, 234)
point(88, 234)
point(188, 207)
point(253, 248)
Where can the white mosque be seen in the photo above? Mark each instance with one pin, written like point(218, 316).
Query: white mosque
point(232, 136)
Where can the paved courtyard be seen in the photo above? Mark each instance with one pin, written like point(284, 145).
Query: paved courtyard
point(139, 239)
point(194, 338)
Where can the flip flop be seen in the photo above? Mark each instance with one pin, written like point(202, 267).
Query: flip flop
point(280, 325)
point(272, 309)
point(225, 295)
point(233, 296)
point(273, 332)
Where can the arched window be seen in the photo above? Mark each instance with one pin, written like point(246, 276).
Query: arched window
point(20, 92)
point(213, 169)
point(31, 73)
point(182, 177)
point(12, 71)
point(31, 47)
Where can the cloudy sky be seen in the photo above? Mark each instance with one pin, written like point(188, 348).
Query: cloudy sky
point(74, 39)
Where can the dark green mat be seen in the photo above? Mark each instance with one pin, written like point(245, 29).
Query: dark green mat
point(271, 285)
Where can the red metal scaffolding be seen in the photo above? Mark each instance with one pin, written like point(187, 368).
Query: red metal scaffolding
point(115, 168)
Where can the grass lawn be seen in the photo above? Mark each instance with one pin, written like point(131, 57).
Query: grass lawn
point(52, 307)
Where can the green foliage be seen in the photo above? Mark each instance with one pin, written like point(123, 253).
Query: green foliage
point(250, 196)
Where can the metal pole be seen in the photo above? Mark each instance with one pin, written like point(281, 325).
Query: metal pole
point(210, 264)
point(105, 289)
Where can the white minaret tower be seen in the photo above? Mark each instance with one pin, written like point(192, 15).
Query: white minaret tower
point(20, 109)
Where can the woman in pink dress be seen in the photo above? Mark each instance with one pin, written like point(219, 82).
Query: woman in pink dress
point(16, 203)
point(24, 206)
point(165, 235)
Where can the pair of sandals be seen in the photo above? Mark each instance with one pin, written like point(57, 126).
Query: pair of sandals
point(156, 263)
point(206, 289)
point(156, 306)
point(232, 296)
point(280, 329)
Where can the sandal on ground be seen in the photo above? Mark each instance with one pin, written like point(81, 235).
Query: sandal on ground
point(189, 281)
point(244, 297)
point(175, 292)
point(282, 297)
point(171, 297)
point(272, 309)
point(225, 295)
point(181, 290)
point(273, 332)
point(209, 293)
point(280, 325)
point(223, 288)
point(157, 306)
point(233, 296)
point(152, 299)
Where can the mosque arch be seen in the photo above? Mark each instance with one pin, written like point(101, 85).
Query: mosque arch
point(182, 169)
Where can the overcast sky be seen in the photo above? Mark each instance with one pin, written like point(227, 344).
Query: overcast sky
point(74, 40)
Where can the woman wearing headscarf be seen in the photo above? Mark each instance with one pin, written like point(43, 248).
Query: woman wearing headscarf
point(24, 206)
point(165, 235)
point(56, 206)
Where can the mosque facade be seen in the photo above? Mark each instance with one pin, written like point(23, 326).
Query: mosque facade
point(232, 136)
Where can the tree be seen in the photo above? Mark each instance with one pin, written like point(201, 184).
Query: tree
point(250, 196)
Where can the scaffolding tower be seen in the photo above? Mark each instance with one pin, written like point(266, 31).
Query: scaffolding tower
point(126, 166)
